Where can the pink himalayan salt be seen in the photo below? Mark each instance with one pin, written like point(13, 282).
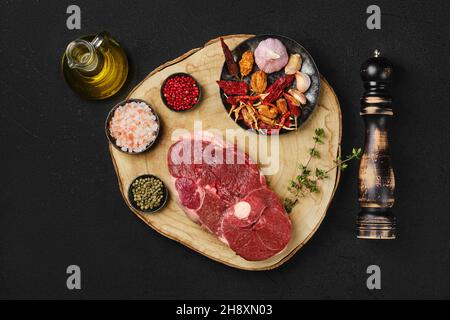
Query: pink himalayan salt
point(134, 126)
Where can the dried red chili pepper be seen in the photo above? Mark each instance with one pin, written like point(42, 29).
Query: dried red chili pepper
point(283, 119)
point(233, 87)
point(232, 66)
point(249, 98)
point(293, 104)
point(294, 110)
point(276, 89)
point(269, 130)
point(271, 105)
point(288, 123)
point(247, 118)
point(233, 100)
point(263, 125)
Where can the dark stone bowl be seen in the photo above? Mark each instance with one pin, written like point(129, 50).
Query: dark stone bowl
point(163, 202)
point(163, 98)
point(112, 140)
point(308, 66)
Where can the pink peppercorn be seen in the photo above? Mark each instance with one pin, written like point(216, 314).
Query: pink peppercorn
point(181, 92)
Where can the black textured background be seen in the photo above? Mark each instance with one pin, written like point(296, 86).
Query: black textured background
point(59, 199)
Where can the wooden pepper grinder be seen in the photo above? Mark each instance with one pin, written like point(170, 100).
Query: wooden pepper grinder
point(376, 180)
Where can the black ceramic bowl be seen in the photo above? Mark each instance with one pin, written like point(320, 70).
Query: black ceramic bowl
point(110, 115)
point(163, 98)
point(308, 66)
point(163, 202)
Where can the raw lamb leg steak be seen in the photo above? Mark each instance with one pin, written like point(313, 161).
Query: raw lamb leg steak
point(221, 188)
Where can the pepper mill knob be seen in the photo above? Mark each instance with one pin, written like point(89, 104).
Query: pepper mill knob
point(376, 74)
point(376, 182)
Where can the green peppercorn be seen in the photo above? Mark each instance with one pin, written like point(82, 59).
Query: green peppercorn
point(147, 193)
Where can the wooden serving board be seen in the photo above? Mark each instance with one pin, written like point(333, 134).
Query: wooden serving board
point(205, 64)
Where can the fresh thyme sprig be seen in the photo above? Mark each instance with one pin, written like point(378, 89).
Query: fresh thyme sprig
point(307, 181)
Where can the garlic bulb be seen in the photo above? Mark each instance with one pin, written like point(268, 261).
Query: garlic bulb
point(294, 64)
point(271, 55)
point(303, 81)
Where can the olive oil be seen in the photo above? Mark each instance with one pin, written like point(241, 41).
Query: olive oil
point(96, 67)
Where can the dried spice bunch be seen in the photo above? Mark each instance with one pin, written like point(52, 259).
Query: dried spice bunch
point(258, 82)
point(307, 181)
point(246, 63)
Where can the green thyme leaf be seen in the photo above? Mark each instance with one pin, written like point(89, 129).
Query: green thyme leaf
point(314, 153)
point(304, 182)
point(320, 132)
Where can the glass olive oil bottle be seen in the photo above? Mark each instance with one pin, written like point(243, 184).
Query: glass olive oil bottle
point(95, 66)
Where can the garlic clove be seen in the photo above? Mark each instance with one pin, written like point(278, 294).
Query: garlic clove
point(294, 64)
point(298, 95)
point(303, 81)
point(291, 99)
